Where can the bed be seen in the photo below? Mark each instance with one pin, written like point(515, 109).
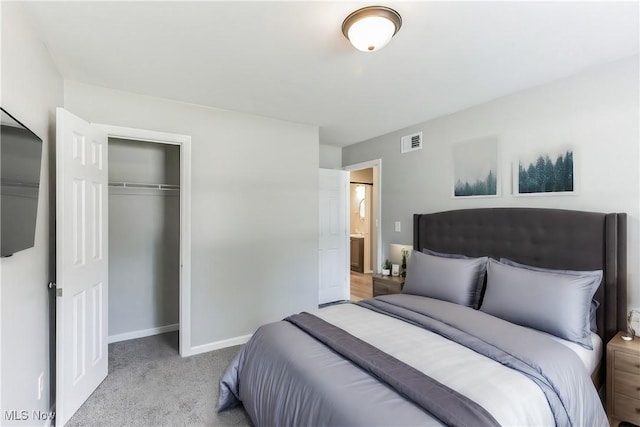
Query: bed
point(513, 344)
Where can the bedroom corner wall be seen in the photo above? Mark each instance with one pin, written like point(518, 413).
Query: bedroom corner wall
point(31, 90)
point(254, 207)
point(330, 157)
point(596, 111)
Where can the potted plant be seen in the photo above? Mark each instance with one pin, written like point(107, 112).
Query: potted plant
point(405, 254)
point(386, 267)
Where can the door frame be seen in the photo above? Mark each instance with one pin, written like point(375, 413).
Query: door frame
point(377, 179)
point(184, 142)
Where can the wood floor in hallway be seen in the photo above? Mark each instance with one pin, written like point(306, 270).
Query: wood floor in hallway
point(361, 286)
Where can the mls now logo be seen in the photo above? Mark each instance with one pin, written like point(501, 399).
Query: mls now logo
point(16, 415)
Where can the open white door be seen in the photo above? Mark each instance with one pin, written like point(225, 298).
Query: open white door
point(334, 236)
point(81, 262)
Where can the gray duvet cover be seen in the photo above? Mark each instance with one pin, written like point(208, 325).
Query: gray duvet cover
point(284, 376)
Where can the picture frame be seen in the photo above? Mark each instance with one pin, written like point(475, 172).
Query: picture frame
point(476, 171)
point(546, 172)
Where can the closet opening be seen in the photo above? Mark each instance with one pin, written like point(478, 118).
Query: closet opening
point(144, 239)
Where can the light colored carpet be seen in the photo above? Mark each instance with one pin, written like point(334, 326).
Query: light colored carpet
point(149, 384)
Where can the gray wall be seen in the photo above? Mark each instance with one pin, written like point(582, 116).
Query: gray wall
point(31, 89)
point(144, 237)
point(596, 111)
point(143, 162)
point(330, 157)
point(254, 207)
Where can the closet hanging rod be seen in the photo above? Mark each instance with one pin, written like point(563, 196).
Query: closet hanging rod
point(144, 186)
point(22, 184)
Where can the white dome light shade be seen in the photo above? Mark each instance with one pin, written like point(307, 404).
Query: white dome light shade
point(371, 28)
point(371, 33)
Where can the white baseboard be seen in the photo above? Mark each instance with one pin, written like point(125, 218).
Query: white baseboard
point(143, 333)
point(204, 348)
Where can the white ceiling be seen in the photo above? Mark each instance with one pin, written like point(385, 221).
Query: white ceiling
point(289, 60)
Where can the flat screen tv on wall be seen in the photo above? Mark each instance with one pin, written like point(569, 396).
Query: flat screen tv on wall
point(20, 160)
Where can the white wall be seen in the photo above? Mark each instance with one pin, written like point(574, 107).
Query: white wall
point(254, 206)
point(31, 89)
point(596, 111)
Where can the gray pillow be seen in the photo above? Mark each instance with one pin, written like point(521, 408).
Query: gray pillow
point(481, 271)
point(551, 302)
point(447, 279)
point(594, 303)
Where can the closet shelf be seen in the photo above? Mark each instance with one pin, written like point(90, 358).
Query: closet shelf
point(138, 185)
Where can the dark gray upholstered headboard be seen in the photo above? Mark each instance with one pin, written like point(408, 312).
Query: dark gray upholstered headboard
point(550, 238)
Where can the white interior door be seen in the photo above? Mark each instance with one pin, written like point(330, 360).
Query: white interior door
point(334, 236)
point(81, 262)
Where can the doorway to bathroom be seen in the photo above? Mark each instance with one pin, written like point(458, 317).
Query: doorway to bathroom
point(364, 217)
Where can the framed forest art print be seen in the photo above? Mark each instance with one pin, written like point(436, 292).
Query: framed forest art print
point(475, 168)
point(546, 172)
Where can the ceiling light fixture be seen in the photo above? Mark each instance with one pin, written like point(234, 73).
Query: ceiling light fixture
point(371, 28)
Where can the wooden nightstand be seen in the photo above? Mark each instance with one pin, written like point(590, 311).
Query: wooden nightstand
point(384, 285)
point(623, 380)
